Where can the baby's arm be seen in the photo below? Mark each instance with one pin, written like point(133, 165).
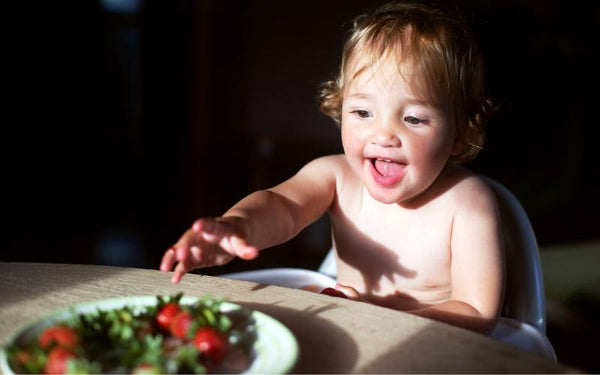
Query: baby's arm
point(289, 207)
point(262, 219)
point(477, 263)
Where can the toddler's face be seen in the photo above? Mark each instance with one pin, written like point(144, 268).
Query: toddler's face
point(394, 140)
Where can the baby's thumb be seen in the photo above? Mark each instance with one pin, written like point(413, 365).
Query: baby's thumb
point(242, 249)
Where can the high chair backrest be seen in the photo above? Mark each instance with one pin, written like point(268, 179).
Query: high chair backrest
point(524, 299)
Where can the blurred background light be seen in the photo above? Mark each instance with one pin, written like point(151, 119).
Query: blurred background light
point(122, 6)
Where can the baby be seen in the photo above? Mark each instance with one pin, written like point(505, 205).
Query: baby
point(413, 230)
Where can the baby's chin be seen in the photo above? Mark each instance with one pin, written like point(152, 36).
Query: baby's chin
point(392, 196)
point(384, 197)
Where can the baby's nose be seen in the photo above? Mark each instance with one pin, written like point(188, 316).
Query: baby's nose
point(385, 136)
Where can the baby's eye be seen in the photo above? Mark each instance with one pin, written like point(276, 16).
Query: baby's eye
point(361, 113)
point(413, 120)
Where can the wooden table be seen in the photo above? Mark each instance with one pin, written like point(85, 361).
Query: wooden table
point(334, 335)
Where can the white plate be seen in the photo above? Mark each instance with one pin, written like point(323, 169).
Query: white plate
point(275, 349)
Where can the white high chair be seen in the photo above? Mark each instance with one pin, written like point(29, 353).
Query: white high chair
point(523, 317)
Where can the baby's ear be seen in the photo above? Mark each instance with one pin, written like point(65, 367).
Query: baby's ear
point(457, 147)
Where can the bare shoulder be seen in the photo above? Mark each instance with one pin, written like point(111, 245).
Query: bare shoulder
point(333, 166)
point(470, 191)
point(330, 161)
point(322, 172)
point(315, 182)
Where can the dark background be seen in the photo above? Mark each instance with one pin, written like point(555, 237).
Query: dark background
point(126, 124)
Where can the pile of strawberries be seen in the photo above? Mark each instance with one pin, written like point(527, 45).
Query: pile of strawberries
point(60, 343)
point(61, 340)
point(180, 323)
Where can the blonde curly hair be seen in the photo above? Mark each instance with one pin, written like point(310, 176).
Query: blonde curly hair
point(434, 47)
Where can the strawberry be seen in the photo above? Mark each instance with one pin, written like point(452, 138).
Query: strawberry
point(181, 323)
point(166, 314)
point(57, 360)
point(211, 343)
point(333, 292)
point(61, 335)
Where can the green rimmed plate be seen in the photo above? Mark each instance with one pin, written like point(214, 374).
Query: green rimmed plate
point(275, 350)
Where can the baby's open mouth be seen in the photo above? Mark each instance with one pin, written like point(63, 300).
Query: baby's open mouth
point(387, 167)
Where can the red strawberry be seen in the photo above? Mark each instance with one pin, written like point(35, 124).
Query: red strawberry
point(333, 292)
point(166, 314)
point(211, 343)
point(181, 323)
point(57, 360)
point(61, 335)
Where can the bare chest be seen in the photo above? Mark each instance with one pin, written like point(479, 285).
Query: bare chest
point(391, 256)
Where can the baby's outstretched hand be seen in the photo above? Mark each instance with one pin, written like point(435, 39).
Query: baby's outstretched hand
point(209, 242)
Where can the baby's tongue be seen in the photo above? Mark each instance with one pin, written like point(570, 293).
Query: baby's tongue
point(388, 168)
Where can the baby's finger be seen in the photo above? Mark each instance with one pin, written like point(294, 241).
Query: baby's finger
point(207, 229)
point(168, 259)
point(242, 249)
point(206, 225)
point(196, 255)
point(214, 229)
point(181, 269)
point(182, 246)
point(197, 225)
point(238, 247)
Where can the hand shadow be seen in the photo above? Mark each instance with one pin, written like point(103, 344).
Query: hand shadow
point(373, 260)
